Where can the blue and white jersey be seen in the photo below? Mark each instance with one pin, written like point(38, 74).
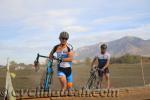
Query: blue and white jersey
point(64, 53)
point(102, 59)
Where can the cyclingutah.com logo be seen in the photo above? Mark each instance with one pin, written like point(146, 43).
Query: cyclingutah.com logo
point(39, 93)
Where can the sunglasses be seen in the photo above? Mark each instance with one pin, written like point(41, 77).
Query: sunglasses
point(103, 48)
point(64, 38)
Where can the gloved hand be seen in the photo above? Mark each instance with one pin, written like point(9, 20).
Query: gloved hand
point(60, 59)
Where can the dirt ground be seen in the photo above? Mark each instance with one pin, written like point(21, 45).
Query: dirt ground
point(122, 75)
point(126, 94)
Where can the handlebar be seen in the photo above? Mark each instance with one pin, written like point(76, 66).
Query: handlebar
point(36, 62)
point(96, 69)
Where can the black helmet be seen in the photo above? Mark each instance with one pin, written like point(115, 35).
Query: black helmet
point(64, 35)
point(103, 46)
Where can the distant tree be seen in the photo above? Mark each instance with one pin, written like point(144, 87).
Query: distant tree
point(127, 58)
point(113, 60)
point(13, 63)
point(131, 58)
point(21, 64)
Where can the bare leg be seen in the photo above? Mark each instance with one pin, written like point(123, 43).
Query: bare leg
point(63, 82)
point(107, 76)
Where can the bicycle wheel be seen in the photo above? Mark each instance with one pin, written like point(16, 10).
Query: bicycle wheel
point(100, 79)
point(46, 83)
point(48, 79)
point(91, 81)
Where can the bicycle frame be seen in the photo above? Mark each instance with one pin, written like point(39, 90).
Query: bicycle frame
point(49, 71)
point(94, 80)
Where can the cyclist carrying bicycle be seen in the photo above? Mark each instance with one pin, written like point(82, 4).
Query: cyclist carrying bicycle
point(64, 51)
point(103, 59)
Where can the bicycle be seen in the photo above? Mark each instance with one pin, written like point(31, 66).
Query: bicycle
point(95, 79)
point(49, 71)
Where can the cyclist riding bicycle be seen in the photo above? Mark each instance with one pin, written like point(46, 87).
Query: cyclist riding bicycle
point(64, 69)
point(103, 59)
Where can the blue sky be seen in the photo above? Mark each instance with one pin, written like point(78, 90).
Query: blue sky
point(31, 26)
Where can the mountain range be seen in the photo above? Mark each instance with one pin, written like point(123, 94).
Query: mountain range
point(125, 45)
